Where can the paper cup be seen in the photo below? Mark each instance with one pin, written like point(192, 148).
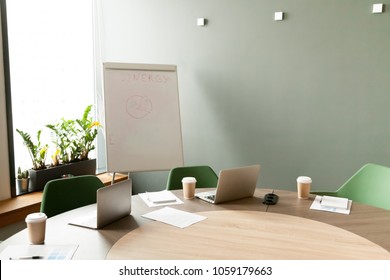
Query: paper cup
point(189, 185)
point(36, 227)
point(303, 187)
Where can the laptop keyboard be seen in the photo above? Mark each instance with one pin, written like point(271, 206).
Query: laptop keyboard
point(209, 196)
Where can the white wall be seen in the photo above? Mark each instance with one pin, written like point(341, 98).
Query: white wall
point(308, 95)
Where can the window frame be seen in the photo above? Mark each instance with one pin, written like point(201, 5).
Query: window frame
point(8, 99)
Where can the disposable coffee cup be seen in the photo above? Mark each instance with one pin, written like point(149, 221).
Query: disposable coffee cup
point(189, 184)
point(36, 227)
point(303, 187)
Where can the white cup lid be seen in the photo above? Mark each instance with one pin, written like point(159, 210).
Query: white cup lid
point(36, 217)
point(304, 180)
point(188, 180)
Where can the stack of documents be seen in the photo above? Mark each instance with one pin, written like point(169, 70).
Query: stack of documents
point(160, 198)
point(332, 204)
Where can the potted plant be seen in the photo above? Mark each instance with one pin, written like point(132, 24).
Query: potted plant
point(22, 180)
point(73, 140)
point(37, 152)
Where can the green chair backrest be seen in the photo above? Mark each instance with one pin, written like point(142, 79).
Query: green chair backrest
point(61, 195)
point(369, 185)
point(205, 177)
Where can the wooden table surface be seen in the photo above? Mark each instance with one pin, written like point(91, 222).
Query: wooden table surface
point(239, 235)
point(366, 227)
point(369, 222)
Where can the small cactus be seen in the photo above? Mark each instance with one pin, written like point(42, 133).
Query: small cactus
point(22, 174)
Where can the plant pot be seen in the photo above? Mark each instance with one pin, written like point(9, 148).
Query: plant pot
point(22, 186)
point(39, 178)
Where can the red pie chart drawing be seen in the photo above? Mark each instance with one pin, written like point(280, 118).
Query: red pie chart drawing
point(138, 106)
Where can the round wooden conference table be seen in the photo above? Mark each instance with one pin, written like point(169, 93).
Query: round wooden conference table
point(232, 234)
point(242, 229)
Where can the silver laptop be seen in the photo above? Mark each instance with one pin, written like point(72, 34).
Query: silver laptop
point(233, 184)
point(112, 203)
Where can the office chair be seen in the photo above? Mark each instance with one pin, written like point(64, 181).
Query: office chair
point(205, 177)
point(61, 195)
point(369, 185)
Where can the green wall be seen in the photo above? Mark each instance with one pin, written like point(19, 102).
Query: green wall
point(308, 95)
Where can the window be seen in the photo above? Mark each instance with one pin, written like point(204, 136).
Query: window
point(51, 67)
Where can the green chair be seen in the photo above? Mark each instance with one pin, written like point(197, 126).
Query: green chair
point(205, 177)
point(369, 185)
point(61, 195)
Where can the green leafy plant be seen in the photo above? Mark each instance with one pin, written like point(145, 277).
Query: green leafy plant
point(37, 151)
point(74, 139)
point(88, 133)
point(63, 136)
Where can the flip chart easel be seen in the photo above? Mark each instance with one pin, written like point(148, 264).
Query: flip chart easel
point(142, 117)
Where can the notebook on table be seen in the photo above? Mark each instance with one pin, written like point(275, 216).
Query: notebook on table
point(112, 203)
point(233, 184)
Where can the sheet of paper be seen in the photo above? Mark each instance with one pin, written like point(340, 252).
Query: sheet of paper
point(160, 198)
point(316, 205)
point(44, 252)
point(174, 217)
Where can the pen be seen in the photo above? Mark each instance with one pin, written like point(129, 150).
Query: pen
point(164, 201)
point(27, 258)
